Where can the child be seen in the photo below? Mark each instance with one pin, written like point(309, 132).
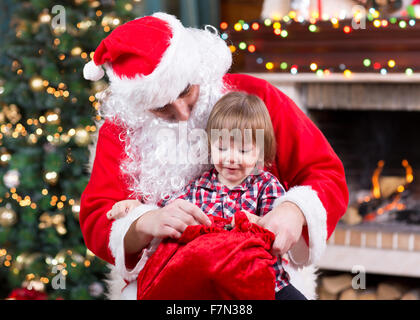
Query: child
point(237, 181)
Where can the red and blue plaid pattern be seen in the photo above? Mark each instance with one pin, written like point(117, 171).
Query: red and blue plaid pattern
point(256, 194)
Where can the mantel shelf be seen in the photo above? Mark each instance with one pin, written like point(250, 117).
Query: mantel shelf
point(392, 250)
point(374, 261)
point(281, 78)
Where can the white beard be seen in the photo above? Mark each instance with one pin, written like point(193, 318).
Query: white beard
point(159, 167)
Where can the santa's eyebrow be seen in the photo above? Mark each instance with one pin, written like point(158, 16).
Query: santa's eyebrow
point(184, 92)
point(187, 88)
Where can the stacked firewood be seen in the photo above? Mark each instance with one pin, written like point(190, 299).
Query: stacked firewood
point(339, 287)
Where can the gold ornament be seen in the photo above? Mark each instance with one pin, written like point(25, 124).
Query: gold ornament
point(76, 51)
point(11, 178)
point(8, 216)
point(52, 117)
point(99, 86)
point(95, 4)
point(54, 140)
point(64, 138)
point(51, 177)
point(75, 208)
point(56, 221)
point(25, 260)
point(5, 157)
point(44, 17)
point(34, 283)
point(12, 113)
point(36, 83)
point(63, 254)
point(32, 139)
point(81, 137)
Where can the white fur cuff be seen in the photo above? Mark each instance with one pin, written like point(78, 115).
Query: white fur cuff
point(316, 217)
point(116, 241)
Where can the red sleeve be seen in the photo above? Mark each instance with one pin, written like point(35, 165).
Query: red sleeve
point(304, 156)
point(105, 187)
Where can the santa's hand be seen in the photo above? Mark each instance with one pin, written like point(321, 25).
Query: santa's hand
point(171, 220)
point(286, 222)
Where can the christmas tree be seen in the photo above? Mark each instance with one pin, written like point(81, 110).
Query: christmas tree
point(47, 120)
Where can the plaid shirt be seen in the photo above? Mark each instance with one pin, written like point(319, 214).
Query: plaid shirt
point(256, 194)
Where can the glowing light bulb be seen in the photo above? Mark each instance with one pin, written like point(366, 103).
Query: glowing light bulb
point(391, 63)
point(255, 26)
point(269, 65)
point(251, 48)
point(312, 28)
point(409, 71)
point(367, 62)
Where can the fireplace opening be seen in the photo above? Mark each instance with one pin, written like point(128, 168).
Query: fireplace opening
point(381, 157)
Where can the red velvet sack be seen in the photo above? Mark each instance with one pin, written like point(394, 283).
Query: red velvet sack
point(212, 263)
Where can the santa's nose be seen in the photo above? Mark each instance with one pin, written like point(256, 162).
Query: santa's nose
point(181, 111)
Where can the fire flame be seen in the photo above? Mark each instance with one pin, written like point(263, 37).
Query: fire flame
point(376, 191)
point(375, 180)
point(408, 171)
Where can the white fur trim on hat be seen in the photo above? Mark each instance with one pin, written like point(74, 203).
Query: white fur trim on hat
point(193, 57)
point(93, 72)
point(116, 242)
point(316, 217)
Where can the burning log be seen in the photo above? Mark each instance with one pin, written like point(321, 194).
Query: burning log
point(388, 185)
point(388, 193)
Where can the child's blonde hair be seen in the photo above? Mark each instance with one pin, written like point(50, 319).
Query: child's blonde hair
point(239, 110)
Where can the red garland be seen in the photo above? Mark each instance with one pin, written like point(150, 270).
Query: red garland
point(26, 294)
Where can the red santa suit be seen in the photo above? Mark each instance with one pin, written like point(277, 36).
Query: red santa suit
point(306, 165)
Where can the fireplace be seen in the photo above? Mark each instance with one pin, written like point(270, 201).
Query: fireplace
point(380, 155)
point(362, 89)
point(372, 123)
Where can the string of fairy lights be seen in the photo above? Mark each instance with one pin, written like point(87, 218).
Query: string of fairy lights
point(33, 129)
point(279, 27)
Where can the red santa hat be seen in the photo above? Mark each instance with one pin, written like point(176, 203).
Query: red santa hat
point(154, 58)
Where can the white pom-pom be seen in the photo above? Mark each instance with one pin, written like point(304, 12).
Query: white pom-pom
point(92, 72)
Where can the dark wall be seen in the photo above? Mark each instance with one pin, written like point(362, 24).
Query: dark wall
point(362, 138)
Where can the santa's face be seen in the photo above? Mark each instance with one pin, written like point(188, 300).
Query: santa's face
point(181, 108)
point(158, 166)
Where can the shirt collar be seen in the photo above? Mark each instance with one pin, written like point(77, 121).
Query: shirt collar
point(209, 181)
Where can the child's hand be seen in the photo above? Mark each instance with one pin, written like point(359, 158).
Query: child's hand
point(253, 218)
point(121, 208)
point(171, 220)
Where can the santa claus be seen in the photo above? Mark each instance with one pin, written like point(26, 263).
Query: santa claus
point(164, 76)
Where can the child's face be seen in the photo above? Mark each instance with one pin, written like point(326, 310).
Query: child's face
point(234, 161)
